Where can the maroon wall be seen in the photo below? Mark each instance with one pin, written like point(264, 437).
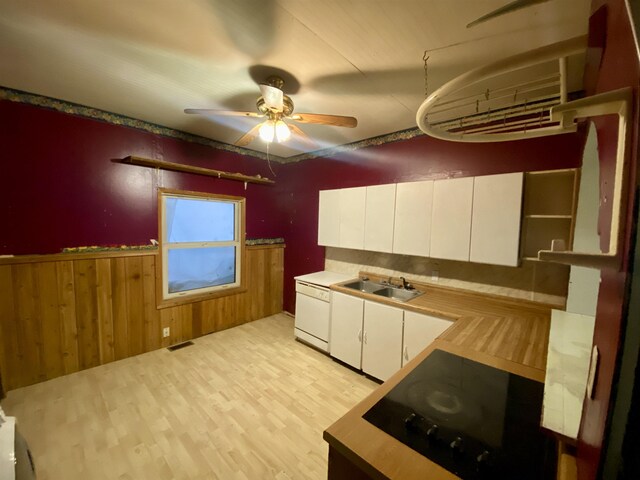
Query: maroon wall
point(59, 187)
point(612, 64)
point(410, 160)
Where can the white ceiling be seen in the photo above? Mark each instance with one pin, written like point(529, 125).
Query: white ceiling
point(150, 59)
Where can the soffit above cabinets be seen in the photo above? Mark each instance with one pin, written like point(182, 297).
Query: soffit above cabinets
point(150, 59)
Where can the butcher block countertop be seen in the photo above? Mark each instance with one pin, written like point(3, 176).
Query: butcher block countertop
point(508, 334)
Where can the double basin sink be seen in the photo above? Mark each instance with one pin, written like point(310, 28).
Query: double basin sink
point(384, 290)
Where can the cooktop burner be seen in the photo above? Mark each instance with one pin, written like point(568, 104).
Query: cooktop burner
point(472, 419)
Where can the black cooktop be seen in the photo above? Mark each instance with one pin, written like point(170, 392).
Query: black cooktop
point(472, 419)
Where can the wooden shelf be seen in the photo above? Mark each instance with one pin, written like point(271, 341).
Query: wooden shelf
point(550, 201)
point(208, 172)
point(549, 217)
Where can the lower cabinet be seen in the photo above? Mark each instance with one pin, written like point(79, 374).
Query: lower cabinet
point(376, 338)
point(382, 340)
point(419, 331)
point(345, 339)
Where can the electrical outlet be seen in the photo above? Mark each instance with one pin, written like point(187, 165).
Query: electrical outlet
point(166, 331)
point(435, 274)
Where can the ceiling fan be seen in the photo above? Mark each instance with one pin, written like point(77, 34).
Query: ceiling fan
point(276, 107)
point(508, 8)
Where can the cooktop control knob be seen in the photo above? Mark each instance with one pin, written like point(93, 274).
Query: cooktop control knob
point(410, 421)
point(432, 432)
point(483, 461)
point(456, 445)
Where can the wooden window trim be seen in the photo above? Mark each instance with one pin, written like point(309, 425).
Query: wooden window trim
point(241, 288)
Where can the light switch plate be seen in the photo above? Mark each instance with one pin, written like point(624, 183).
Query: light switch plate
point(166, 331)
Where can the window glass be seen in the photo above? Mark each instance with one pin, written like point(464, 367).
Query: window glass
point(194, 268)
point(193, 220)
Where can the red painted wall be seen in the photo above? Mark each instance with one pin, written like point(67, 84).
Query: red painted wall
point(612, 64)
point(59, 187)
point(410, 160)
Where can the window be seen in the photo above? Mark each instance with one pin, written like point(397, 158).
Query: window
point(201, 242)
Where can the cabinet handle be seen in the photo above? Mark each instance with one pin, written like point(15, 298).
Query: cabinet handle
point(365, 337)
point(360, 335)
point(406, 352)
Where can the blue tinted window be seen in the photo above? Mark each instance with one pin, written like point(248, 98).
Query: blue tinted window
point(188, 220)
point(193, 268)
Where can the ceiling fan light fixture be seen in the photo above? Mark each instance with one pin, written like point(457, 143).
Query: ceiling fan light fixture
point(267, 131)
point(282, 131)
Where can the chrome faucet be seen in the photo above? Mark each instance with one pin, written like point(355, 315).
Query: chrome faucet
point(406, 285)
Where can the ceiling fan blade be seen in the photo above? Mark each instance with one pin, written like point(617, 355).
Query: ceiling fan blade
point(248, 137)
point(508, 8)
point(227, 113)
point(301, 135)
point(273, 97)
point(335, 120)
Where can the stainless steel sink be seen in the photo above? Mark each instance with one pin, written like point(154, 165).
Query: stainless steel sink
point(366, 286)
point(399, 294)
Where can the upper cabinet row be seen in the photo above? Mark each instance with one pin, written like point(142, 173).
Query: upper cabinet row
point(469, 219)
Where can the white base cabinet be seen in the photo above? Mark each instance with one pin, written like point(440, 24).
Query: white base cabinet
point(345, 340)
point(419, 331)
point(382, 340)
point(376, 338)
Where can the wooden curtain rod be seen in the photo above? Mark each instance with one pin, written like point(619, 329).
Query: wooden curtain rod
point(176, 167)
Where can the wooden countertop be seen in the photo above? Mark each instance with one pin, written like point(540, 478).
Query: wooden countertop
point(511, 335)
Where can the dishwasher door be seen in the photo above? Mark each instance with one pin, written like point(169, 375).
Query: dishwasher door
point(312, 315)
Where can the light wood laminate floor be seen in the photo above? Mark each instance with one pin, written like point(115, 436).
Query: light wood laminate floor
point(245, 403)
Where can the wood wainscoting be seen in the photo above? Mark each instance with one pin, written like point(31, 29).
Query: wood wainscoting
point(68, 312)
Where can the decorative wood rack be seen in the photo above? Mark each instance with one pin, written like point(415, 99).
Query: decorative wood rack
point(510, 99)
point(176, 167)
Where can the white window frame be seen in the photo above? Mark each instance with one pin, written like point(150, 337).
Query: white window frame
point(165, 247)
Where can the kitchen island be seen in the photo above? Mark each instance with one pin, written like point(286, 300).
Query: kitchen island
point(508, 334)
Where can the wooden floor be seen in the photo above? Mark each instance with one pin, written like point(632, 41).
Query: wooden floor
point(244, 403)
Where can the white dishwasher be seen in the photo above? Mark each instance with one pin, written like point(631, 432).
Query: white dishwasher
point(313, 308)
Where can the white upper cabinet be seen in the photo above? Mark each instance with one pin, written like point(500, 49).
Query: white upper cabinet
point(382, 340)
point(379, 214)
point(329, 218)
point(412, 229)
point(352, 212)
point(451, 218)
point(495, 224)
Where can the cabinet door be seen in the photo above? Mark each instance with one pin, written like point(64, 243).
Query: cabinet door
point(451, 218)
point(352, 208)
point(412, 229)
point(379, 213)
point(345, 341)
point(329, 218)
point(495, 223)
point(419, 331)
point(382, 347)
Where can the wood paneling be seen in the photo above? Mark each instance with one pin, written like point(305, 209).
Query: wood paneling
point(60, 316)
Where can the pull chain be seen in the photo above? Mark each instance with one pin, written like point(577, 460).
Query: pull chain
point(425, 58)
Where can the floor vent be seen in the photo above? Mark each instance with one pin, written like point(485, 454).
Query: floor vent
point(179, 346)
